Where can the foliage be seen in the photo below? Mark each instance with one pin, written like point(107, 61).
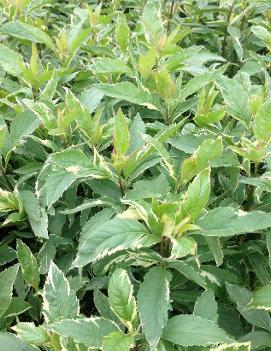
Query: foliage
point(135, 175)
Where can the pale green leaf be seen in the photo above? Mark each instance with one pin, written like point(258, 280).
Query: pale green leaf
point(196, 197)
point(9, 60)
point(109, 66)
point(183, 246)
point(262, 123)
point(59, 301)
point(128, 91)
point(25, 31)
point(112, 236)
point(29, 265)
point(243, 297)
point(226, 221)
point(121, 299)
point(206, 306)
point(236, 98)
point(262, 298)
point(121, 134)
point(31, 334)
point(9, 341)
point(88, 331)
point(7, 279)
point(122, 32)
point(153, 304)
point(233, 347)
point(190, 330)
point(117, 341)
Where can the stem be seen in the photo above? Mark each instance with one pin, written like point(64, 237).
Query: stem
point(226, 31)
point(170, 14)
point(8, 182)
point(165, 247)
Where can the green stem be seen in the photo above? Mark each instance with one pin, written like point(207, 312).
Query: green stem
point(170, 15)
point(3, 174)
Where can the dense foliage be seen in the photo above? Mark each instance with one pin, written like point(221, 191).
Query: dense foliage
point(135, 175)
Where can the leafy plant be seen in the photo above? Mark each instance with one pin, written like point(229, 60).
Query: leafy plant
point(135, 175)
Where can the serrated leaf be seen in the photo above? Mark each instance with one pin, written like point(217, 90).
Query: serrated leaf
point(206, 306)
point(121, 299)
point(108, 66)
point(31, 334)
point(117, 341)
point(183, 246)
point(226, 221)
point(121, 134)
point(9, 341)
point(7, 279)
point(262, 298)
point(196, 197)
point(129, 92)
point(88, 331)
point(29, 265)
point(9, 60)
point(242, 297)
point(262, 124)
point(17, 306)
point(114, 235)
point(233, 347)
point(59, 301)
point(25, 31)
point(236, 98)
point(153, 307)
point(190, 330)
point(122, 32)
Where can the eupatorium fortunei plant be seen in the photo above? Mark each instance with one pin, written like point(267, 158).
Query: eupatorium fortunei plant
point(135, 175)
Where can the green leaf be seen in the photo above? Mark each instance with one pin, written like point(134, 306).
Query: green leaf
point(121, 299)
point(122, 32)
point(108, 66)
point(121, 134)
point(206, 306)
point(17, 306)
point(9, 60)
point(215, 247)
point(208, 150)
point(262, 298)
point(153, 307)
point(7, 279)
point(31, 204)
point(233, 347)
point(59, 301)
point(29, 265)
point(236, 98)
point(183, 246)
point(31, 334)
point(25, 31)
point(114, 235)
point(129, 92)
point(243, 297)
point(226, 221)
point(88, 331)
point(190, 330)
point(195, 198)
point(7, 254)
point(189, 272)
point(262, 124)
point(117, 341)
point(152, 22)
point(60, 172)
point(21, 126)
point(101, 302)
point(11, 342)
point(91, 98)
